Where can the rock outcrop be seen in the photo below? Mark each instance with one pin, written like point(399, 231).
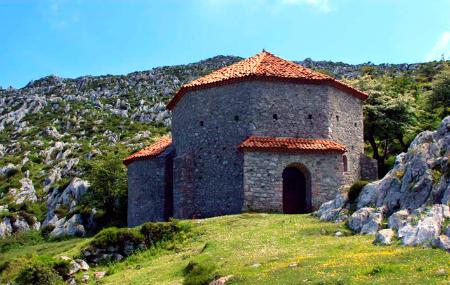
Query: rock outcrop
point(65, 202)
point(413, 197)
point(15, 223)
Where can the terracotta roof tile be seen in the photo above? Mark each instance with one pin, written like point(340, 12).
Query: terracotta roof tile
point(263, 66)
point(150, 151)
point(285, 144)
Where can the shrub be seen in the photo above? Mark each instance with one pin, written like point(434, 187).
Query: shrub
point(355, 190)
point(199, 272)
point(43, 270)
point(46, 230)
point(29, 218)
point(162, 231)
point(108, 189)
point(12, 172)
point(61, 211)
point(116, 237)
point(4, 265)
point(19, 239)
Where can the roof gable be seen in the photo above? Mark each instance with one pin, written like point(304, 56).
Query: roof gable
point(150, 151)
point(263, 66)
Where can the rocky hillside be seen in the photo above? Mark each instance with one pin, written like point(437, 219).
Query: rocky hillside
point(411, 203)
point(51, 127)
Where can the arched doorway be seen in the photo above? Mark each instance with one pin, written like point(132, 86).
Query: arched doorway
point(296, 190)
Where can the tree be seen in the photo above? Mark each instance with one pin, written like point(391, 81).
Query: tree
point(439, 100)
point(387, 117)
point(108, 188)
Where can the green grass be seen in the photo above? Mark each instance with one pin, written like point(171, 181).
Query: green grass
point(290, 249)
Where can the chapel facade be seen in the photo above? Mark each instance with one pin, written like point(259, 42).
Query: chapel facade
point(263, 134)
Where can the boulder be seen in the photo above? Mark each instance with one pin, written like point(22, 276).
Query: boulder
point(25, 193)
point(413, 195)
point(427, 228)
point(71, 227)
point(333, 210)
point(366, 220)
point(442, 242)
point(384, 237)
point(69, 198)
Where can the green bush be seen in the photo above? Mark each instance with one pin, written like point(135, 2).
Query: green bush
point(12, 172)
point(108, 189)
point(19, 239)
point(43, 270)
point(116, 237)
point(61, 211)
point(199, 272)
point(158, 232)
point(46, 230)
point(355, 189)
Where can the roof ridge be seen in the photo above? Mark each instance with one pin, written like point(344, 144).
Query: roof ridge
point(263, 66)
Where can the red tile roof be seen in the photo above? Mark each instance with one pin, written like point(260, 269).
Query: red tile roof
point(284, 144)
point(150, 151)
point(263, 66)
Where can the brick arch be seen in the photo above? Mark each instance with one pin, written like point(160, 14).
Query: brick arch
point(297, 198)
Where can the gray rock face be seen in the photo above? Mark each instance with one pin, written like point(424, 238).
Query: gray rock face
point(333, 210)
point(410, 184)
point(68, 198)
point(17, 223)
point(366, 220)
point(68, 227)
point(428, 227)
point(442, 242)
point(384, 237)
point(413, 195)
point(25, 193)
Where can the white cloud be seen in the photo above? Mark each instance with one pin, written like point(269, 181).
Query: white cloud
point(441, 47)
point(322, 5)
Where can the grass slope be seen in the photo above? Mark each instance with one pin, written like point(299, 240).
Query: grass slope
point(272, 249)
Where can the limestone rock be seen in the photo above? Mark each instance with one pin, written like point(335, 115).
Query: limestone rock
point(71, 227)
point(69, 198)
point(427, 228)
point(221, 280)
point(442, 242)
point(332, 210)
point(25, 193)
point(384, 237)
point(366, 220)
point(99, 274)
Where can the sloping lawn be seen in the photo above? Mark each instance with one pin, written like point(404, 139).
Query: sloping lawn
point(285, 249)
point(271, 249)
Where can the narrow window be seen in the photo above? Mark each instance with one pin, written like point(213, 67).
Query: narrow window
point(356, 124)
point(201, 124)
point(236, 118)
point(337, 118)
point(310, 117)
point(344, 160)
point(275, 116)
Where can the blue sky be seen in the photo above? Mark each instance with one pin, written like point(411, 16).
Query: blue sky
point(71, 38)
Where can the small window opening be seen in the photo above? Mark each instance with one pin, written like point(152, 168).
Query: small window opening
point(201, 123)
point(236, 118)
point(275, 116)
point(356, 124)
point(337, 118)
point(344, 160)
point(309, 117)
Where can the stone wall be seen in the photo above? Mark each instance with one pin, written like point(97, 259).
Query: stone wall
point(263, 182)
point(369, 168)
point(346, 127)
point(208, 125)
point(149, 189)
